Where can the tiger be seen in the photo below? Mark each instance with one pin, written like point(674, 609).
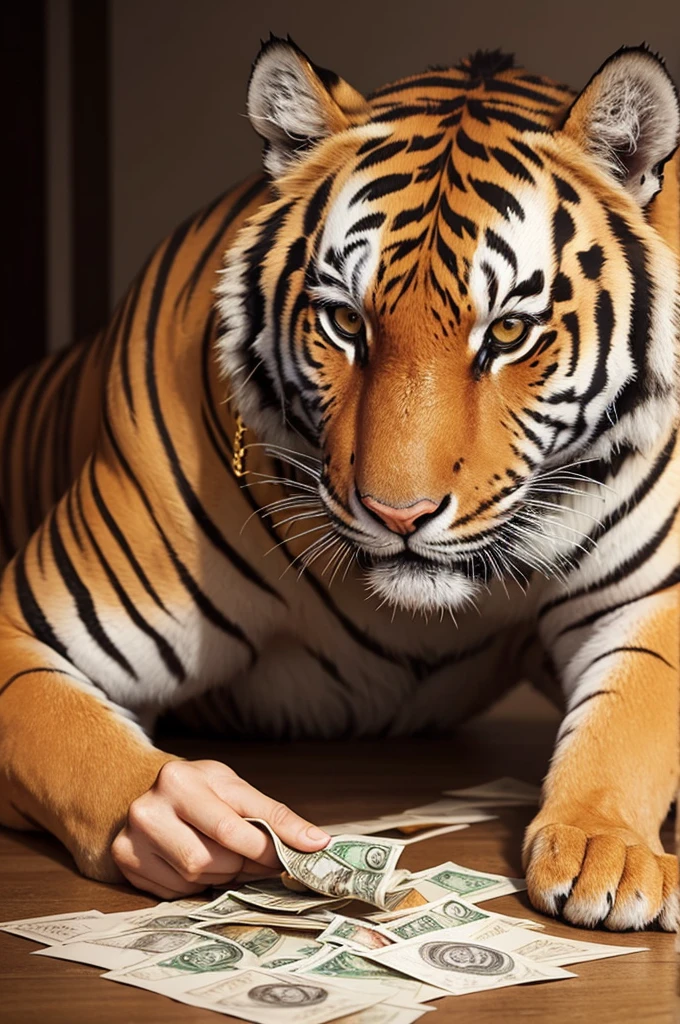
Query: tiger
point(427, 362)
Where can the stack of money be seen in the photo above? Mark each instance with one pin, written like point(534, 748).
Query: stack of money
point(458, 809)
point(266, 952)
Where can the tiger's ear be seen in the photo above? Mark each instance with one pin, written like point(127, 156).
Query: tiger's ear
point(628, 119)
point(293, 104)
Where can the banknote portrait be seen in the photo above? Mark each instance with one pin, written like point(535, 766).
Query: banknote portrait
point(288, 995)
point(466, 958)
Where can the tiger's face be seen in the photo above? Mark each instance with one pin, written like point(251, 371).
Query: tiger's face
point(454, 297)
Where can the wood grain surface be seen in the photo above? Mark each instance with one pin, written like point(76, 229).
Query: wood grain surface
point(331, 782)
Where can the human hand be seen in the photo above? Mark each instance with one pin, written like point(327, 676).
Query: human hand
point(188, 831)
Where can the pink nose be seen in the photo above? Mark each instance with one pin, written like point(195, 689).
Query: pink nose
point(400, 520)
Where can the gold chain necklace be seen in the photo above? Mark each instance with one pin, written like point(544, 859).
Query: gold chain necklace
point(238, 459)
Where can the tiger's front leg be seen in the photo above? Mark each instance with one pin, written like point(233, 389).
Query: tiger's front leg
point(593, 853)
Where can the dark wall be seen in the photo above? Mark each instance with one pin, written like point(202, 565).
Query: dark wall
point(180, 69)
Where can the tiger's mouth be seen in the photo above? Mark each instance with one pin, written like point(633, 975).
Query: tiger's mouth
point(417, 583)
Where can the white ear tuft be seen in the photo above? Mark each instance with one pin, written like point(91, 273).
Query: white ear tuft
point(628, 119)
point(293, 104)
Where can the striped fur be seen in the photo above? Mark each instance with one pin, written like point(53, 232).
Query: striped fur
point(136, 580)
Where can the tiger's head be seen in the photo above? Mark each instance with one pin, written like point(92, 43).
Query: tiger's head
point(454, 295)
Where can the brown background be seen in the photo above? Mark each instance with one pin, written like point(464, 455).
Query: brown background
point(179, 69)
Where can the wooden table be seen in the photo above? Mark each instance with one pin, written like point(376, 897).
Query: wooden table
point(341, 782)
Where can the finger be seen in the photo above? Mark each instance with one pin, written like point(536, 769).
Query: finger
point(155, 887)
point(145, 869)
point(195, 803)
point(289, 826)
point(194, 856)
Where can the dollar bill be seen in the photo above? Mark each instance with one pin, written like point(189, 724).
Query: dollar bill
point(447, 912)
point(54, 929)
point(265, 998)
point(310, 921)
point(451, 878)
point(501, 792)
point(349, 967)
point(124, 948)
point(407, 821)
point(454, 961)
point(204, 957)
point(274, 950)
point(357, 934)
point(60, 928)
point(222, 907)
point(549, 949)
point(447, 809)
point(387, 1013)
point(270, 894)
point(351, 866)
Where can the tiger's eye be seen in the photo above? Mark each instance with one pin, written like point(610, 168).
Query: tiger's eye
point(346, 321)
point(508, 331)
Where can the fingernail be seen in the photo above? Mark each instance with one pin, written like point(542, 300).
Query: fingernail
point(316, 835)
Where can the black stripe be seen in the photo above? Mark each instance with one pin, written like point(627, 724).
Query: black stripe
point(531, 286)
point(234, 211)
point(591, 696)
point(518, 121)
point(31, 610)
point(424, 142)
point(401, 249)
point(202, 601)
point(561, 288)
point(591, 261)
point(491, 284)
point(210, 209)
point(83, 600)
point(43, 378)
point(381, 154)
point(124, 342)
point(565, 191)
point(671, 580)
point(497, 85)
point(457, 222)
point(497, 197)
point(470, 146)
point(380, 187)
point(367, 223)
point(500, 246)
point(563, 230)
point(317, 204)
point(187, 493)
point(421, 82)
point(527, 151)
point(206, 345)
point(295, 261)
point(70, 515)
point(416, 213)
point(37, 671)
point(642, 302)
point(624, 649)
point(570, 321)
point(76, 374)
point(165, 650)
point(60, 439)
point(638, 495)
point(122, 541)
point(254, 303)
point(512, 165)
point(625, 568)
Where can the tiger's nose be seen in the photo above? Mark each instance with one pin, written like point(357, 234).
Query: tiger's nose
point(400, 520)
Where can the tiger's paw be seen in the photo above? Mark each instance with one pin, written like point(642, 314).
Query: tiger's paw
point(606, 877)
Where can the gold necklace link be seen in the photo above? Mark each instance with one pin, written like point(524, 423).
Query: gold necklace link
point(238, 461)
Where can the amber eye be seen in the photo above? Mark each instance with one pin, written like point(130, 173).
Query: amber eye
point(510, 330)
point(346, 321)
